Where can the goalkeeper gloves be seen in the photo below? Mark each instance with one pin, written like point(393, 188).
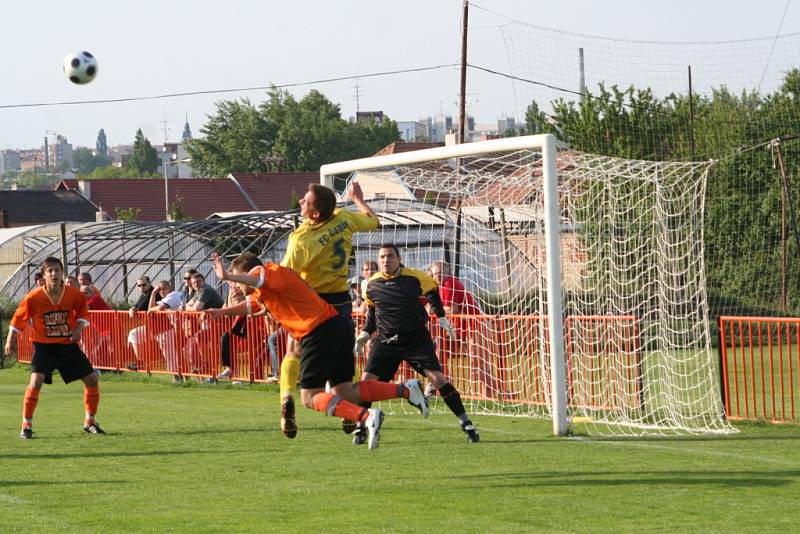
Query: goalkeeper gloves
point(361, 340)
point(447, 327)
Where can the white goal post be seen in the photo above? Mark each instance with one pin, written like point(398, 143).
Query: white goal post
point(588, 271)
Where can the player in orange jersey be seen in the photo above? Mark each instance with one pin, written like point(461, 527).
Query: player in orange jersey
point(326, 343)
point(58, 315)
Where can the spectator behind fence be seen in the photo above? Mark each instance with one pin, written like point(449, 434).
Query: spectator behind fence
point(204, 297)
point(170, 300)
point(38, 279)
point(455, 298)
point(143, 302)
point(71, 281)
point(94, 301)
point(85, 279)
point(187, 293)
point(368, 268)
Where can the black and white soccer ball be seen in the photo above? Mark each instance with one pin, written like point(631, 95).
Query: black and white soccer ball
point(80, 67)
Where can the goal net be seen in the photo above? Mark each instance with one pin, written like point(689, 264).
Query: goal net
point(583, 293)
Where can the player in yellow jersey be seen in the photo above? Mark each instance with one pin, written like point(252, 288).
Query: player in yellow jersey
point(319, 251)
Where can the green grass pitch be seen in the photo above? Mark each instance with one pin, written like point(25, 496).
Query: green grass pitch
point(206, 458)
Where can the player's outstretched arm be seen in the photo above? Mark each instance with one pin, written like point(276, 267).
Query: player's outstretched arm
point(223, 274)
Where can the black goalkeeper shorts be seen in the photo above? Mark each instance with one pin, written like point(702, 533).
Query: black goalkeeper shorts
point(385, 359)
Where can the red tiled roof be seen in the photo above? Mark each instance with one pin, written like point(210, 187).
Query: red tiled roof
point(197, 197)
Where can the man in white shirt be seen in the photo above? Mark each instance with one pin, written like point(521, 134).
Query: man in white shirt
point(165, 336)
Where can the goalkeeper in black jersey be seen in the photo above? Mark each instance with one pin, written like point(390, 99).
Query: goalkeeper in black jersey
point(397, 315)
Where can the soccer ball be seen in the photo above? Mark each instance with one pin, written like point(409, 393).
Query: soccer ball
point(80, 67)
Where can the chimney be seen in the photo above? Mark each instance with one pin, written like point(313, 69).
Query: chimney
point(85, 187)
point(101, 215)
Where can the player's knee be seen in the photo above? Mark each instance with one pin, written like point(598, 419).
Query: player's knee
point(307, 398)
point(437, 379)
point(90, 379)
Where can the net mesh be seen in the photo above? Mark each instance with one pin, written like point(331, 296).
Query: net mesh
point(637, 339)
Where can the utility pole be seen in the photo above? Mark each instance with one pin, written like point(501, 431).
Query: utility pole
point(357, 96)
point(462, 96)
point(164, 128)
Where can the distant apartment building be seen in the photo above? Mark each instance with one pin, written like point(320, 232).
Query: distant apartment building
point(31, 160)
point(174, 157)
point(363, 117)
point(9, 161)
point(60, 153)
point(507, 123)
point(119, 154)
point(413, 131)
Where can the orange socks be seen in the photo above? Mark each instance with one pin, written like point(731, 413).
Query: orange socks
point(29, 405)
point(373, 390)
point(332, 404)
point(91, 398)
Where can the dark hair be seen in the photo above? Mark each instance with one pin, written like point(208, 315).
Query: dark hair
point(245, 262)
point(393, 247)
point(371, 264)
point(324, 200)
point(87, 276)
point(50, 261)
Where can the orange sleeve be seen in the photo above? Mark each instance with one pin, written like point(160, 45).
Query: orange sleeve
point(22, 316)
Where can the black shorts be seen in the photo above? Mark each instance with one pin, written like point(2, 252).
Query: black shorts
point(326, 354)
point(343, 304)
point(70, 361)
point(385, 359)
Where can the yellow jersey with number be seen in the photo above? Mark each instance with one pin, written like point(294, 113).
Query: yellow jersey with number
point(320, 253)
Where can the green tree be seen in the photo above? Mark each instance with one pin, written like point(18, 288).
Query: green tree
point(144, 158)
point(85, 162)
point(176, 212)
point(101, 145)
point(35, 180)
point(127, 214)
point(303, 134)
point(235, 139)
point(117, 172)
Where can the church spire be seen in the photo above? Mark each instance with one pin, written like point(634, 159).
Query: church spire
point(187, 133)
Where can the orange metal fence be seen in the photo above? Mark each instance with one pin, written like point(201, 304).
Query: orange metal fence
point(491, 357)
point(761, 367)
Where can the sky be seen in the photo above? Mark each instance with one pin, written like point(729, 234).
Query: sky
point(152, 47)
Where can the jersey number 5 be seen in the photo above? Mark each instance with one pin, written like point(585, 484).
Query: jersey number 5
point(339, 253)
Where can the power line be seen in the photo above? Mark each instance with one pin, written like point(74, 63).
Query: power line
point(221, 91)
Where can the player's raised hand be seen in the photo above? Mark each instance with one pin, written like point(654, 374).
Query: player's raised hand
point(219, 267)
point(355, 191)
